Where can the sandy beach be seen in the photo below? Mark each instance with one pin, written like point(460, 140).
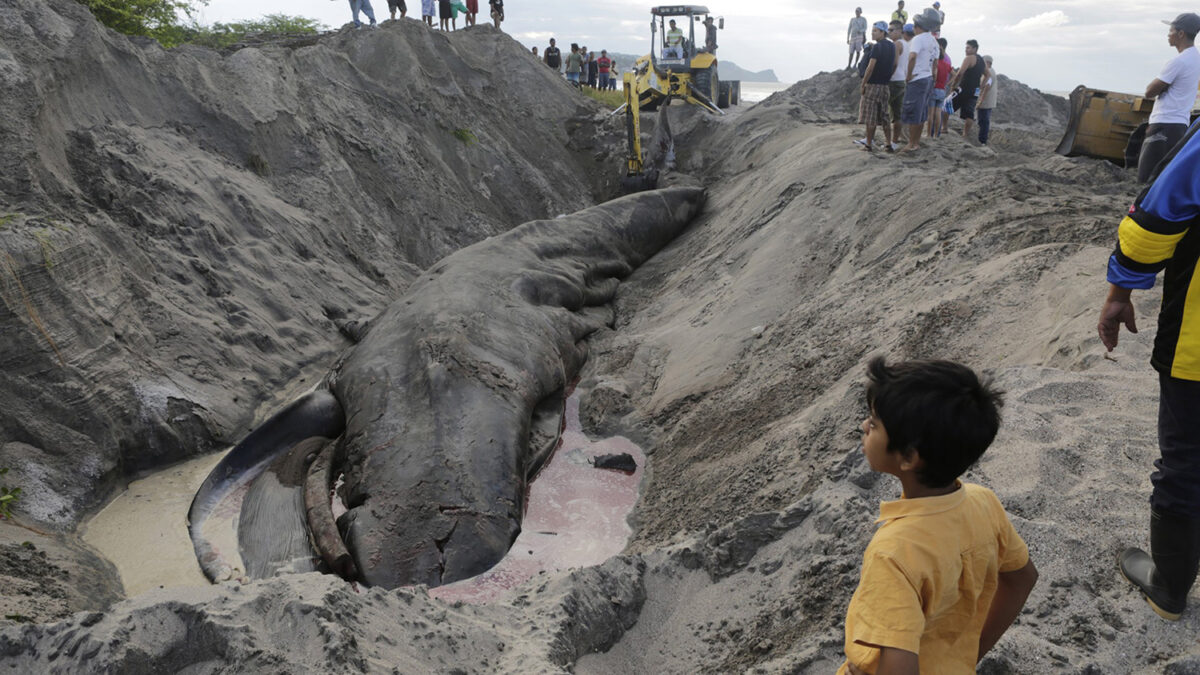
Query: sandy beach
point(188, 234)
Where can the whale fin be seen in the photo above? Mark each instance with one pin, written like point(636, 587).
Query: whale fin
point(317, 413)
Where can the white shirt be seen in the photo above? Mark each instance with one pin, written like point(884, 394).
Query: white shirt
point(925, 48)
point(1174, 106)
point(901, 72)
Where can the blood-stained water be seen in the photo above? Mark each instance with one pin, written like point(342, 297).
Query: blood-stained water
point(576, 515)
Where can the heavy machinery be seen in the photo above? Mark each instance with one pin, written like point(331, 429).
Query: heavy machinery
point(675, 68)
point(1107, 125)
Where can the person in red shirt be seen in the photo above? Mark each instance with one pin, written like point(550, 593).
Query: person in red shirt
point(937, 116)
point(605, 65)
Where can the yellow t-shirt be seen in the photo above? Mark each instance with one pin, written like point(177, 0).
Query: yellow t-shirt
point(928, 577)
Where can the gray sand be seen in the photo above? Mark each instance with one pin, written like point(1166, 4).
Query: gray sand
point(188, 287)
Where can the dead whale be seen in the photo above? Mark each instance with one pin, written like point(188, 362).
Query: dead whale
point(435, 420)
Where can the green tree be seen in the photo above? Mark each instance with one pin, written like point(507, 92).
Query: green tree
point(158, 19)
point(172, 22)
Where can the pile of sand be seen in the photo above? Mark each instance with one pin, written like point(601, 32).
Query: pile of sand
point(183, 231)
point(736, 359)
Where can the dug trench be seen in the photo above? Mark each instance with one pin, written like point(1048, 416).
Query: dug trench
point(186, 232)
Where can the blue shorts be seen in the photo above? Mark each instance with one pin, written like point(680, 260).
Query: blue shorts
point(939, 98)
point(916, 101)
point(573, 77)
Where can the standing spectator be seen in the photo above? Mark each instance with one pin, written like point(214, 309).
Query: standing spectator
point(535, 54)
point(946, 573)
point(937, 116)
point(394, 5)
point(941, 19)
point(710, 35)
point(967, 80)
point(444, 12)
point(896, 84)
point(1174, 93)
point(1161, 231)
point(604, 66)
point(553, 57)
point(872, 109)
point(427, 12)
point(613, 77)
point(497, 12)
point(922, 57)
point(593, 70)
point(363, 6)
point(900, 15)
point(987, 101)
point(574, 64)
point(856, 36)
point(472, 12)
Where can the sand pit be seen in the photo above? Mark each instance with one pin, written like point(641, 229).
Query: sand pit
point(186, 291)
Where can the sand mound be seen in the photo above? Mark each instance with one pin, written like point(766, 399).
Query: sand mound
point(182, 231)
point(736, 359)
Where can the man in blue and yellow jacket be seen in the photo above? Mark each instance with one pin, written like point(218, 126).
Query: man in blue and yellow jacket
point(1162, 232)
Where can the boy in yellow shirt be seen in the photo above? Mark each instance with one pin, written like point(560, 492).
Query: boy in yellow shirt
point(946, 573)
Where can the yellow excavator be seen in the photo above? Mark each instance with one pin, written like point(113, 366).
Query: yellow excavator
point(1107, 125)
point(676, 68)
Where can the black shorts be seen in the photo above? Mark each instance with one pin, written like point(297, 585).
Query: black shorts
point(965, 105)
point(397, 5)
point(444, 10)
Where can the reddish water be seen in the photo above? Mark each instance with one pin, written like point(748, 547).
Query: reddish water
point(575, 515)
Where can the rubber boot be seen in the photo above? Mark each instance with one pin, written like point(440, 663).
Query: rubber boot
point(1166, 575)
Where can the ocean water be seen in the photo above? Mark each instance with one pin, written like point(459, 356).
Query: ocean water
point(753, 92)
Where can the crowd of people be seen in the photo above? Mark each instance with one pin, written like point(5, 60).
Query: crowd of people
point(910, 86)
point(946, 573)
point(447, 12)
point(581, 67)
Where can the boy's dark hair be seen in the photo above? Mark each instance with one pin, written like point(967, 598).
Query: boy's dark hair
point(973, 43)
point(939, 408)
point(896, 24)
point(942, 42)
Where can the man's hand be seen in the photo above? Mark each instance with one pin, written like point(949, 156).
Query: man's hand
point(1117, 310)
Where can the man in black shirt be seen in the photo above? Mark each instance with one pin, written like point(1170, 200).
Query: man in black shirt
point(553, 57)
point(872, 109)
point(970, 71)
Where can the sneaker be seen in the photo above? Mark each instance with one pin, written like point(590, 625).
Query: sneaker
point(861, 141)
point(895, 147)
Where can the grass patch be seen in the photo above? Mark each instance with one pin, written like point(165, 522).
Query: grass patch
point(43, 240)
point(465, 136)
point(612, 99)
point(7, 219)
point(258, 164)
point(7, 497)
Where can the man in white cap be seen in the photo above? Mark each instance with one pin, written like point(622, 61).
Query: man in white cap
point(1174, 94)
point(856, 37)
point(920, 69)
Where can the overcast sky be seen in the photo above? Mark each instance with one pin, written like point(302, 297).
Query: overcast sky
point(1053, 45)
